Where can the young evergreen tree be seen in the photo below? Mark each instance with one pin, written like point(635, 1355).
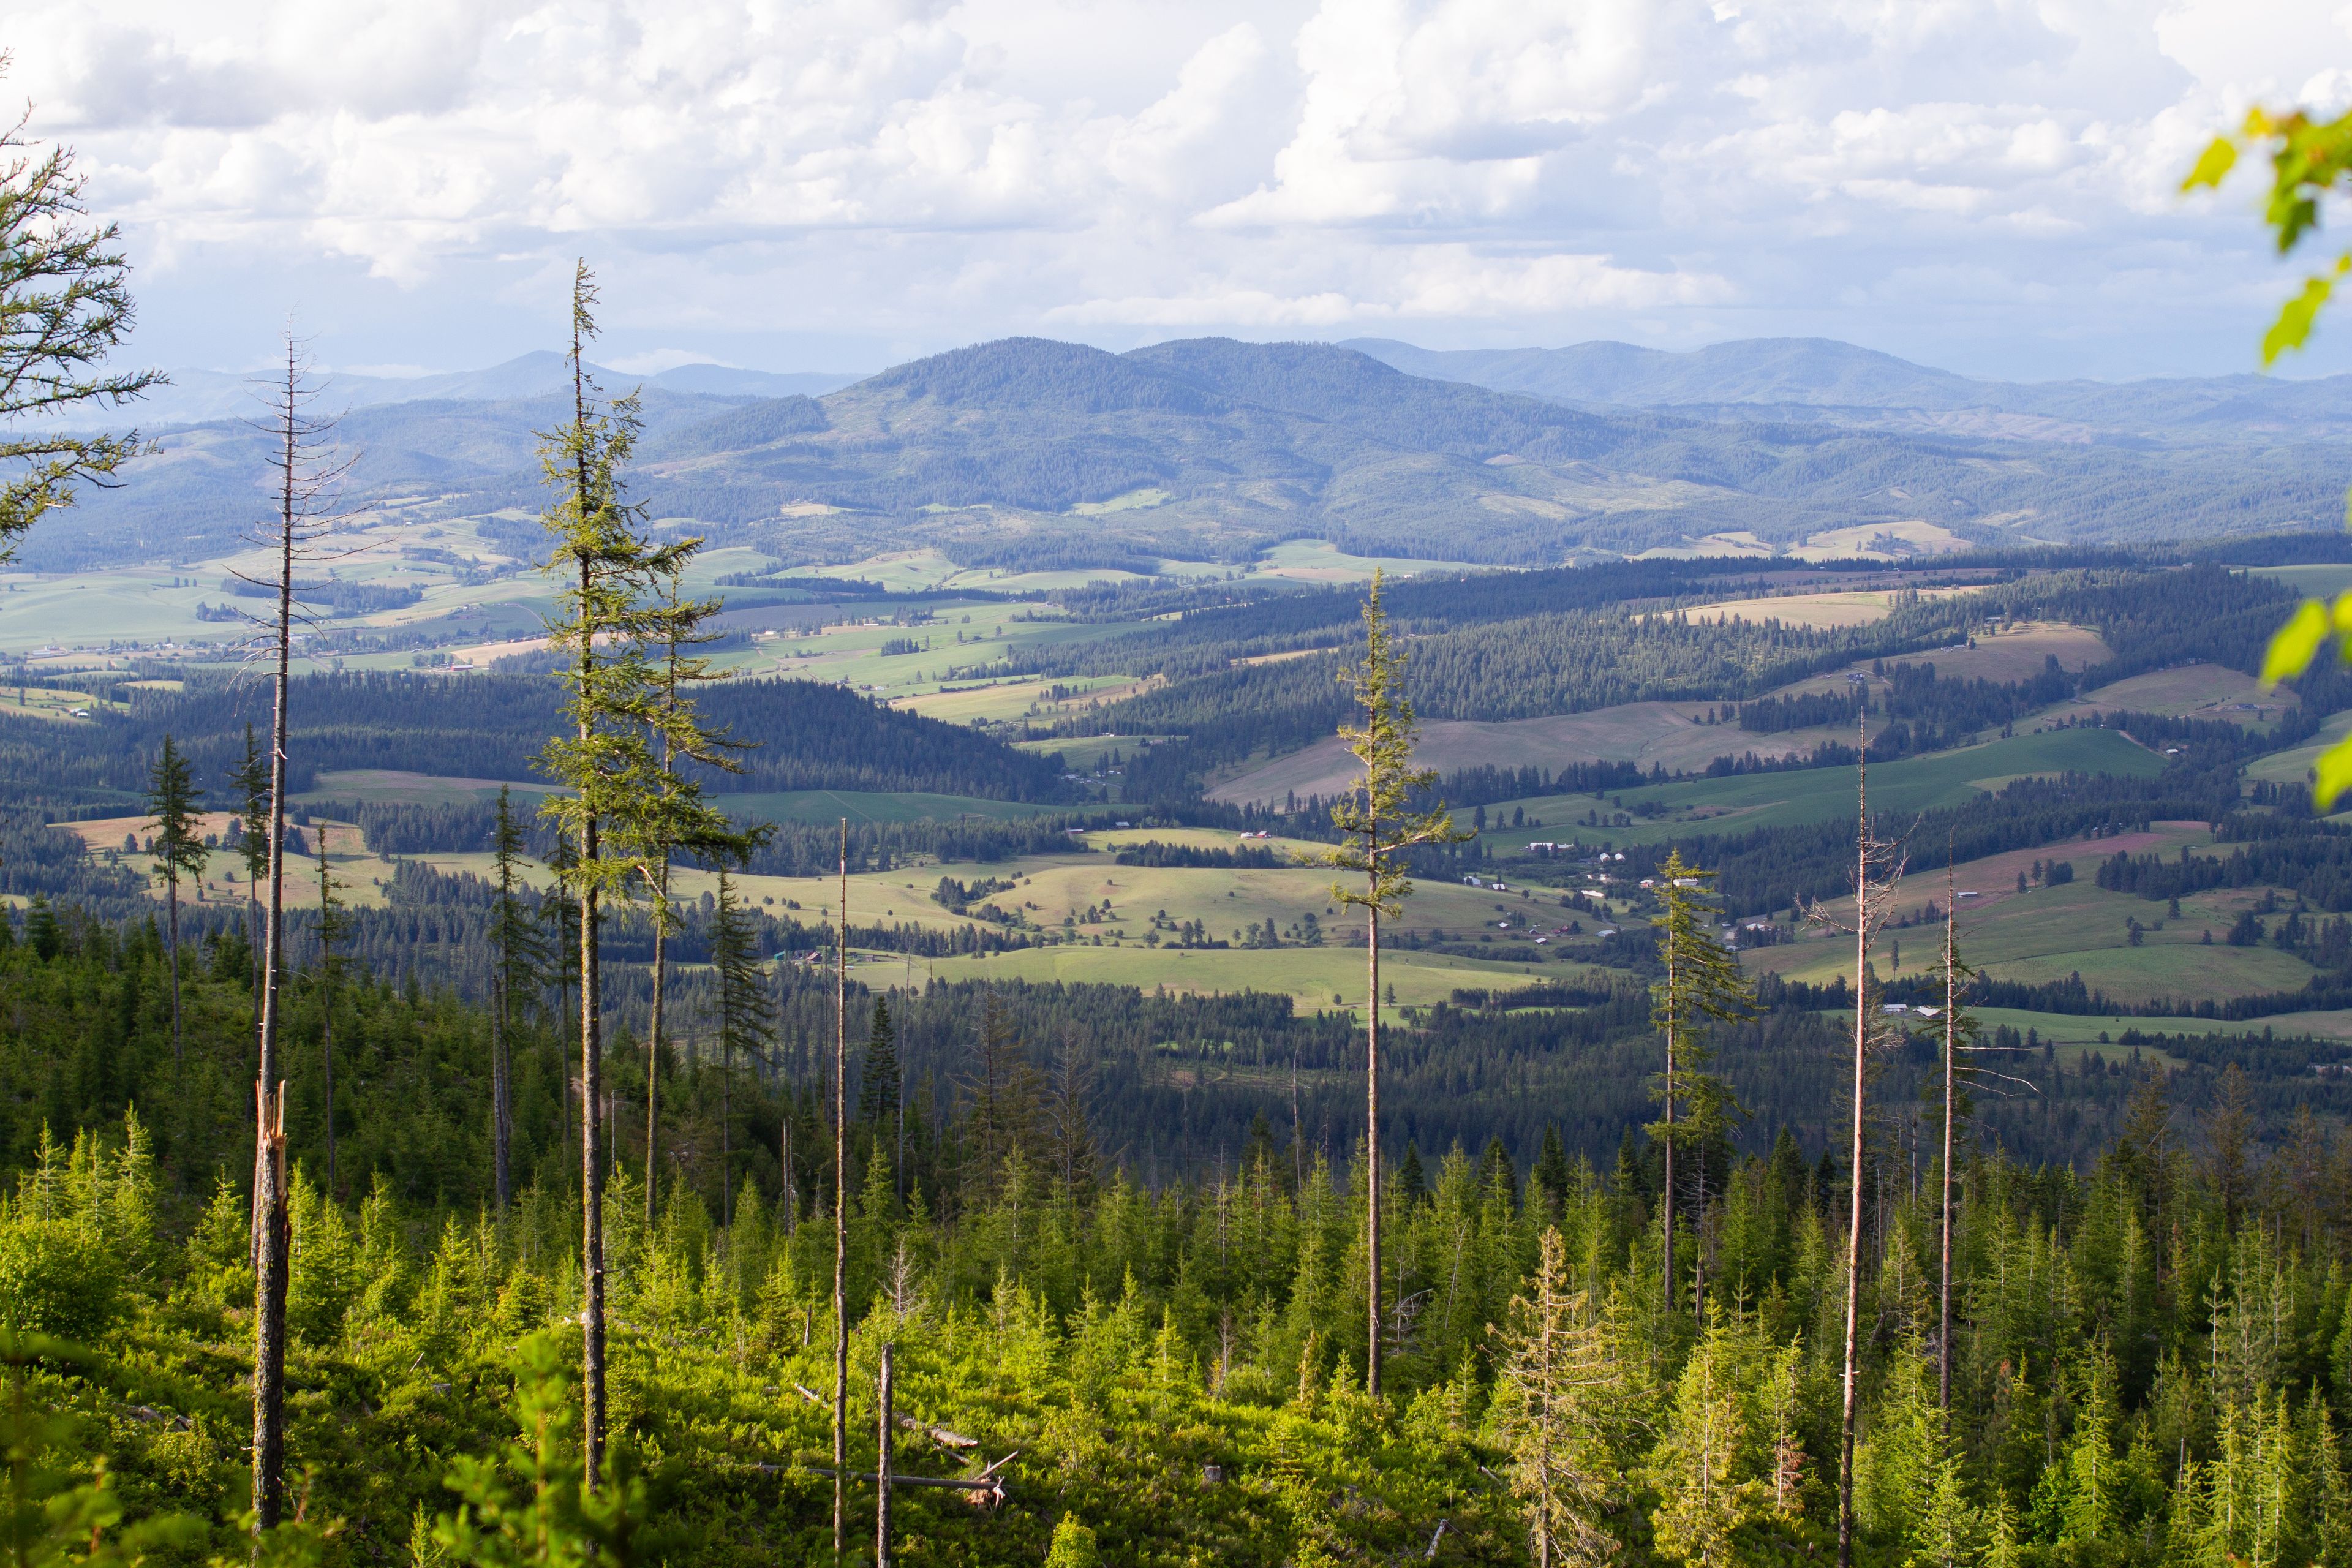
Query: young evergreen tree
point(176, 845)
point(251, 780)
point(518, 953)
point(1378, 824)
point(1959, 1029)
point(881, 1094)
point(1709, 1484)
point(677, 626)
point(1554, 1380)
point(333, 925)
point(1703, 984)
point(746, 1015)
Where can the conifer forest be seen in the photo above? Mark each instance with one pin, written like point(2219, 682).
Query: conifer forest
point(1227, 954)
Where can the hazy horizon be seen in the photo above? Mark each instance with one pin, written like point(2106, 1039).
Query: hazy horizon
point(1981, 186)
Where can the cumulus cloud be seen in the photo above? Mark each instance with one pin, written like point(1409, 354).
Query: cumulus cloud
point(887, 175)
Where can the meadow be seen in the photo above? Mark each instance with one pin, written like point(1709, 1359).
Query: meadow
point(1668, 811)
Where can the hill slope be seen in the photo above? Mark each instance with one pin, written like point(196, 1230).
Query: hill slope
point(1212, 449)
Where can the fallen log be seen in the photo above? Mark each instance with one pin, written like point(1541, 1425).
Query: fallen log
point(942, 1436)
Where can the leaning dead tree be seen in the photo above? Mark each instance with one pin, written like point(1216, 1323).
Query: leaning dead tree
point(1877, 867)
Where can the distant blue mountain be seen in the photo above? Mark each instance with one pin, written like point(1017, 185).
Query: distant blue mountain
point(197, 397)
point(1790, 376)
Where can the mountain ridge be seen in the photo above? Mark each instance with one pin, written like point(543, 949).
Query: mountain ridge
point(1216, 448)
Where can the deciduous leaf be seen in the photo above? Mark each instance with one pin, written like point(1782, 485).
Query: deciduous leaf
point(2213, 164)
point(2294, 645)
point(2297, 318)
point(2334, 774)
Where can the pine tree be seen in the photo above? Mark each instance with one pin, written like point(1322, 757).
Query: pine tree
point(675, 624)
point(1073, 1139)
point(251, 780)
point(746, 1015)
point(1553, 1384)
point(1703, 1468)
point(518, 955)
point(616, 808)
point(176, 845)
point(1377, 824)
point(878, 1088)
point(1703, 984)
point(65, 306)
point(332, 927)
point(1959, 1036)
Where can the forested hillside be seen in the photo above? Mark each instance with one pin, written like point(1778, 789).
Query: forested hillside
point(798, 735)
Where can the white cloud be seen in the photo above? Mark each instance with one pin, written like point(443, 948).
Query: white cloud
point(909, 173)
point(653, 362)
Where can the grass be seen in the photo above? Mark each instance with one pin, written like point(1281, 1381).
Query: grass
point(2319, 582)
point(2294, 766)
point(1822, 795)
point(1850, 607)
point(362, 877)
point(2048, 933)
point(393, 786)
point(1318, 560)
point(863, 806)
point(1313, 976)
point(2191, 690)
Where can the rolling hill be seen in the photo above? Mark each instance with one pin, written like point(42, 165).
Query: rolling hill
point(1818, 378)
point(1210, 449)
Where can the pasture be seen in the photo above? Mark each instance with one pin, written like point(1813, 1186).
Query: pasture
point(1317, 979)
point(1820, 794)
point(2046, 933)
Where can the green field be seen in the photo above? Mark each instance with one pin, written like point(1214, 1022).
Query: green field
point(2294, 766)
point(1315, 976)
point(2321, 582)
point(862, 806)
point(2049, 933)
point(1821, 794)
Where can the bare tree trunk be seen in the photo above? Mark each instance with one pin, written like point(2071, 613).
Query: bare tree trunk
point(654, 1039)
point(841, 1206)
point(1853, 1170)
point(171, 902)
point(269, 1228)
point(792, 1195)
point(726, 1120)
point(592, 1186)
point(1667, 1197)
point(1944, 1186)
point(1698, 1245)
point(327, 1050)
point(882, 1463)
point(1372, 1137)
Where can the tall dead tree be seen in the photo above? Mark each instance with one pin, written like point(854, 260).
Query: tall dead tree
point(841, 1206)
point(1877, 867)
point(307, 473)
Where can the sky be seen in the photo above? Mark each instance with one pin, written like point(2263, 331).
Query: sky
point(1988, 185)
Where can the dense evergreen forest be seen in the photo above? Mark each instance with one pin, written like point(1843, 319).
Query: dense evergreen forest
point(2151, 1356)
point(490, 726)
